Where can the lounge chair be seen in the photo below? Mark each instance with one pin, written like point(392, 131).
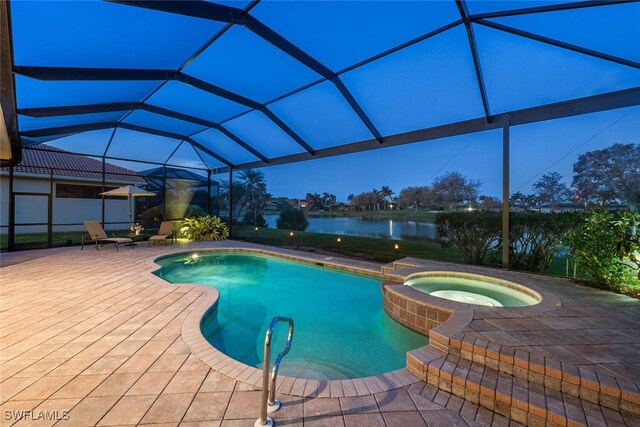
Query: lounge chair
point(98, 235)
point(165, 233)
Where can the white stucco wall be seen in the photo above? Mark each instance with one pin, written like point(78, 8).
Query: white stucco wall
point(65, 211)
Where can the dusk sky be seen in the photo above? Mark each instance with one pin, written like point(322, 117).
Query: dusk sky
point(535, 149)
point(427, 83)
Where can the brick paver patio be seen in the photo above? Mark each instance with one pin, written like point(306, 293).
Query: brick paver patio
point(96, 335)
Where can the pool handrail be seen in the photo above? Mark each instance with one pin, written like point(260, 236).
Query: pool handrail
point(269, 403)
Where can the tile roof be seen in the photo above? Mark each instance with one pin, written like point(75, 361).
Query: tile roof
point(44, 158)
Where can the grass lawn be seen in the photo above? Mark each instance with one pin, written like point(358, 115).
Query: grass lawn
point(375, 249)
point(368, 248)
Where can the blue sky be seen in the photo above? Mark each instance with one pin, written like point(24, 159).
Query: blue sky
point(428, 83)
point(551, 146)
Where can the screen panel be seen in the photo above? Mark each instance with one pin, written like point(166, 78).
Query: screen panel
point(240, 4)
point(33, 93)
point(91, 143)
point(555, 145)
point(187, 99)
point(321, 116)
point(341, 33)
point(26, 123)
point(521, 73)
point(260, 132)
point(211, 162)
point(128, 144)
point(185, 156)
point(484, 6)
point(609, 29)
point(161, 122)
point(222, 145)
point(102, 34)
point(244, 63)
point(428, 84)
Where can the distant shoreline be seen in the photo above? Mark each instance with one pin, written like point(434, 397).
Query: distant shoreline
point(400, 215)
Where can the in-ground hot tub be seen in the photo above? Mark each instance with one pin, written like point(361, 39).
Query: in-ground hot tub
point(473, 289)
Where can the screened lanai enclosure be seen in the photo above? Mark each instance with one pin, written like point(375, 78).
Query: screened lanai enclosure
point(178, 96)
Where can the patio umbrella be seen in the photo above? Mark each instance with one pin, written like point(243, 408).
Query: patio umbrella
point(129, 191)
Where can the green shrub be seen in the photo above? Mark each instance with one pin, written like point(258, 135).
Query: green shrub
point(534, 238)
point(605, 244)
point(259, 219)
point(474, 234)
point(204, 228)
point(292, 219)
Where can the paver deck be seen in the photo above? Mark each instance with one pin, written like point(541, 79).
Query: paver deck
point(97, 338)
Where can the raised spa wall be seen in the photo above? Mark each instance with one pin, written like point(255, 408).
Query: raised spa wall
point(422, 312)
point(408, 307)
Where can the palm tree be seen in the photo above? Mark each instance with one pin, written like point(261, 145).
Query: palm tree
point(386, 192)
point(238, 194)
point(375, 193)
point(255, 190)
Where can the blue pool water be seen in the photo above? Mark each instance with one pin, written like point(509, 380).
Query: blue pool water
point(341, 330)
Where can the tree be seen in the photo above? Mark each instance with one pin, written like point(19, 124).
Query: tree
point(314, 201)
point(328, 200)
point(527, 201)
point(489, 203)
point(605, 246)
point(377, 198)
point(415, 197)
point(453, 188)
point(551, 190)
point(386, 193)
point(253, 219)
point(475, 234)
point(604, 176)
point(238, 194)
point(255, 194)
point(292, 219)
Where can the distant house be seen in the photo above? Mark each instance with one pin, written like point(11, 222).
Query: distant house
point(571, 207)
point(302, 205)
point(518, 208)
point(561, 207)
point(275, 205)
point(271, 206)
point(72, 183)
point(617, 207)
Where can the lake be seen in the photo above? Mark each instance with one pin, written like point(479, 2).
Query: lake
point(367, 227)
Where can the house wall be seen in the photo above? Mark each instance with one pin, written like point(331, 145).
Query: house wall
point(4, 204)
point(68, 213)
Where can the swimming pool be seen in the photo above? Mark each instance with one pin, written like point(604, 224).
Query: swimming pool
point(341, 330)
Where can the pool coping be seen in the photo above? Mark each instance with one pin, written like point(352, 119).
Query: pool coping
point(219, 361)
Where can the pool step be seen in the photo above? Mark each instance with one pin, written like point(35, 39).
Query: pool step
point(579, 382)
point(515, 398)
point(402, 264)
point(323, 370)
